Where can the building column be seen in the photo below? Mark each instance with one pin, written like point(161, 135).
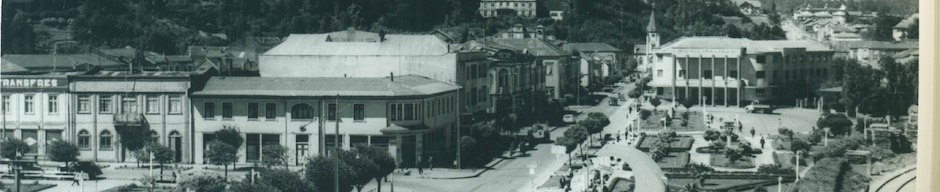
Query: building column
point(701, 80)
point(726, 77)
point(686, 78)
point(740, 87)
point(675, 76)
point(712, 90)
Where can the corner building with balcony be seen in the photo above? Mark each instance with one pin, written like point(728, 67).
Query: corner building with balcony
point(735, 71)
point(411, 116)
point(105, 102)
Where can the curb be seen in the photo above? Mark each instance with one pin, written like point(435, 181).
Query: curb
point(485, 168)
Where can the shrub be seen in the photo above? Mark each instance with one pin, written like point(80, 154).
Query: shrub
point(90, 168)
point(204, 183)
point(645, 114)
point(770, 168)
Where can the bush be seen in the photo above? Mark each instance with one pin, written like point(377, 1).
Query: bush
point(204, 183)
point(88, 167)
point(645, 114)
point(770, 168)
point(838, 124)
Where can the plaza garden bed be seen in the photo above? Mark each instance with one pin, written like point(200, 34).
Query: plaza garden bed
point(723, 184)
point(674, 160)
point(679, 144)
point(696, 121)
point(622, 185)
point(788, 160)
point(710, 150)
point(722, 161)
point(136, 188)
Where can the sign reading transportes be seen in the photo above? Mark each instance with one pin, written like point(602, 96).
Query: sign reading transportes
point(25, 83)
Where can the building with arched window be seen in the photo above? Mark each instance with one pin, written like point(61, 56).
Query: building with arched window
point(411, 116)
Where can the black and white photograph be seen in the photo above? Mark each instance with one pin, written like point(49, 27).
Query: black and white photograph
point(462, 96)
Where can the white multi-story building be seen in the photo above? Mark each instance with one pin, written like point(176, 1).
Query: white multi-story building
point(494, 8)
point(411, 116)
point(35, 109)
point(734, 71)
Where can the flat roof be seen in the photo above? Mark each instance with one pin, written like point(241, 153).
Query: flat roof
point(405, 85)
point(752, 46)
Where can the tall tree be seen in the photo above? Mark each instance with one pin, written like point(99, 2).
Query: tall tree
point(383, 160)
point(220, 153)
point(320, 171)
point(274, 155)
point(62, 151)
point(285, 180)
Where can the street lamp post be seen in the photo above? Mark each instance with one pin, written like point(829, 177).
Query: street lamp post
point(779, 184)
point(798, 165)
point(336, 146)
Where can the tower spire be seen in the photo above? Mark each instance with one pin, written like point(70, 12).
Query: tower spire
point(652, 25)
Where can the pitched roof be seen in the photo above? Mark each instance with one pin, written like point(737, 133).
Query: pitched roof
point(651, 27)
point(752, 2)
point(590, 47)
point(847, 45)
point(405, 85)
point(9, 67)
point(908, 22)
point(64, 61)
point(535, 47)
point(394, 44)
point(752, 46)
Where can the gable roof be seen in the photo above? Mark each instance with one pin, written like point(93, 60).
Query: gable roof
point(394, 44)
point(9, 67)
point(405, 85)
point(60, 61)
point(908, 22)
point(847, 45)
point(534, 47)
point(750, 2)
point(590, 47)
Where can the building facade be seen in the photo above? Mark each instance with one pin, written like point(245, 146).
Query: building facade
point(35, 109)
point(411, 116)
point(104, 103)
point(354, 53)
point(518, 83)
point(598, 60)
point(561, 69)
point(735, 71)
point(494, 8)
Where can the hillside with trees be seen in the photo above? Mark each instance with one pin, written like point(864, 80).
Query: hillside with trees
point(166, 26)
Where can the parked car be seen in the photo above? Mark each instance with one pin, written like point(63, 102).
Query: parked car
point(568, 118)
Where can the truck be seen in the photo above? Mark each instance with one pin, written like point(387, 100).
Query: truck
point(759, 108)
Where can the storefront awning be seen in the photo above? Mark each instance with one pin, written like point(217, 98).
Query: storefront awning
point(394, 129)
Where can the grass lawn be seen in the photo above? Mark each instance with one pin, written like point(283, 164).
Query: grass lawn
point(722, 161)
point(678, 144)
point(674, 160)
point(695, 121)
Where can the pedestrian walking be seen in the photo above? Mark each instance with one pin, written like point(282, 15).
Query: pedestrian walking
point(76, 178)
point(420, 167)
point(762, 142)
point(753, 132)
point(431, 163)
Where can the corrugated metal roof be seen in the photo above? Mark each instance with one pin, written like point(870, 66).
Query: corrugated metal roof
point(847, 45)
point(590, 47)
point(535, 47)
point(406, 85)
point(394, 44)
point(130, 86)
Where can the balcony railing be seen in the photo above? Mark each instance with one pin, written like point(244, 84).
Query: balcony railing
point(129, 119)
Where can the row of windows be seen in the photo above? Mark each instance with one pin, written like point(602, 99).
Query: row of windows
point(152, 104)
point(706, 74)
point(439, 106)
point(29, 104)
point(301, 111)
point(800, 58)
point(105, 139)
point(476, 96)
point(512, 4)
point(494, 13)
